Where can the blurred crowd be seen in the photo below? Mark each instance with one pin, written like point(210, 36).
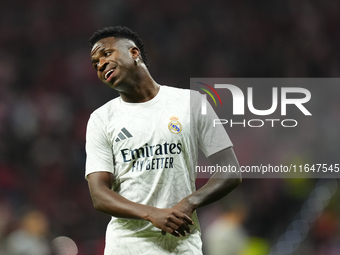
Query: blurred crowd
point(48, 89)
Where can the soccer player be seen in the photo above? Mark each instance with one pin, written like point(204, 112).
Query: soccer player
point(141, 154)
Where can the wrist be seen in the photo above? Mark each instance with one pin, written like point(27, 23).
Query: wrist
point(192, 202)
point(147, 213)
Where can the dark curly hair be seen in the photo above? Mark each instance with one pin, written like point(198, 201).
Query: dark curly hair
point(120, 32)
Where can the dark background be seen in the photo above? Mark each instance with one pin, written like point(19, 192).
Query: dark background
point(48, 89)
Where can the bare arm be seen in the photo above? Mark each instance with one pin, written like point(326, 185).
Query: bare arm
point(110, 202)
point(218, 186)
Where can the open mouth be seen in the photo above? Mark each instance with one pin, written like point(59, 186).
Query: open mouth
point(109, 73)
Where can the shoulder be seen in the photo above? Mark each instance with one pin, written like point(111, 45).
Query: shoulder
point(108, 109)
point(169, 89)
point(183, 98)
point(180, 92)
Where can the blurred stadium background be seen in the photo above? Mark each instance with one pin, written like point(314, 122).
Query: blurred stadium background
point(48, 90)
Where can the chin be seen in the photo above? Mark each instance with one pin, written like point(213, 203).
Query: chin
point(114, 85)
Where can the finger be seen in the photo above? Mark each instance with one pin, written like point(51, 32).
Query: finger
point(177, 220)
point(185, 217)
point(182, 225)
point(172, 232)
point(188, 219)
point(186, 228)
point(176, 228)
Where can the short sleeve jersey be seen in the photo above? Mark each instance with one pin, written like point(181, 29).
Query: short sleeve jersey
point(151, 149)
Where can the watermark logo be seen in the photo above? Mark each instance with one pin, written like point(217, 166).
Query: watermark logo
point(204, 97)
point(280, 98)
point(238, 100)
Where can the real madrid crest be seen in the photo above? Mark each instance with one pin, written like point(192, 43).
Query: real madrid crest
point(175, 126)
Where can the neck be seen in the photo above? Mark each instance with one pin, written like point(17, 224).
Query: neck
point(142, 89)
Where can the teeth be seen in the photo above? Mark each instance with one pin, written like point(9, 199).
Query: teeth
point(108, 74)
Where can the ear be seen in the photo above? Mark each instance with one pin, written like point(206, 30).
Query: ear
point(135, 52)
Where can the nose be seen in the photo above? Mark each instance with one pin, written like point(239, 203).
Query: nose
point(102, 63)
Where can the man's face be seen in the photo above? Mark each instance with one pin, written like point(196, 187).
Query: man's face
point(113, 59)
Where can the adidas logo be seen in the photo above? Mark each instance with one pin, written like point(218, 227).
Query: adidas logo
point(123, 134)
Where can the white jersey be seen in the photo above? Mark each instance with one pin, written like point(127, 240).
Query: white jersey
point(151, 149)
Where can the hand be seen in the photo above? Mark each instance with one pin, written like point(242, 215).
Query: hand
point(172, 221)
point(185, 207)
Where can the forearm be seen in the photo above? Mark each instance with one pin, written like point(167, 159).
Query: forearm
point(106, 200)
point(219, 185)
point(110, 202)
point(216, 188)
